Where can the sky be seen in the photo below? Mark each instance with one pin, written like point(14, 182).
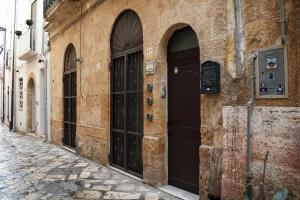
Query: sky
point(4, 11)
point(3, 20)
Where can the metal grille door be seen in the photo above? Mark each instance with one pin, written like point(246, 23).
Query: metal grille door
point(127, 112)
point(127, 94)
point(70, 98)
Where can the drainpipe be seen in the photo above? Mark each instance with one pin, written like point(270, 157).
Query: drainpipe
point(44, 59)
point(80, 60)
point(12, 110)
point(248, 194)
point(282, 22)
point(3, 80)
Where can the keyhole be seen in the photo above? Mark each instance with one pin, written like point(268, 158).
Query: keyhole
point(176, 70)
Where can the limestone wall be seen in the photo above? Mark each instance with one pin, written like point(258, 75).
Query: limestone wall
point(275, 129)
point(228, 31)
point(262, 30)
point(160, 19)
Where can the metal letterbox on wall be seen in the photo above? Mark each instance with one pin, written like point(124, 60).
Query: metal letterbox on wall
point(210, 77)
point(271, 73)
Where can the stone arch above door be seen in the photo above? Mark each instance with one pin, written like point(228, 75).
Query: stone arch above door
point(127, 32)
point(164, 41)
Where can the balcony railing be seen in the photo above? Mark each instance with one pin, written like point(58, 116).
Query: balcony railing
point(48, 4)
point(57, 11)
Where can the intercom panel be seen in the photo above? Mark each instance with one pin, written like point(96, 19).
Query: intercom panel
point(271, 73)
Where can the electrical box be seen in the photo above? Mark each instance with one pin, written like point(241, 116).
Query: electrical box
point(210, 77)
point(272, 73)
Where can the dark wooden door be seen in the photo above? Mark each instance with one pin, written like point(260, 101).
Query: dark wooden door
point(184, 119)
point(70, 93)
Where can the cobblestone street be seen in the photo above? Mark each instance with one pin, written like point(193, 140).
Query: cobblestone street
point(31, 169)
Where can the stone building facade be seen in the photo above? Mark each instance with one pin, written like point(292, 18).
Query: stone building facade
point(88, 46)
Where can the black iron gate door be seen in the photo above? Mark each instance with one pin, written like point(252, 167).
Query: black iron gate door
point(70, 98)
point(127, 112)
point(127, 93)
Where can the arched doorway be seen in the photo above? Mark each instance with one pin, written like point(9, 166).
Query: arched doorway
point(183, 110)
point(31, 108)
point(70, 93)
point(127, 93)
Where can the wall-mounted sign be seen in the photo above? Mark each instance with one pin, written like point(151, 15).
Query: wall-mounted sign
point(150, 67)
point(21, 93)
point(271, 81)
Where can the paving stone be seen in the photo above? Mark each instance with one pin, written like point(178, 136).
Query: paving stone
point(121, 195)
point(91, 168)
point(102, 187)
point(111, 182)
point(87, 185)
point(123, 181)
point(32, 196)
point(117, 176)
point(59, 177)
point(151, 196)
point(73, 176)
point(37, 176)
point(104, 170)
point(87, 194)
point(142, 189)
point(126, 187)
point(101, 175)
point(85, 175)
point(65, 166)
point(81, 165)
point(94, 181)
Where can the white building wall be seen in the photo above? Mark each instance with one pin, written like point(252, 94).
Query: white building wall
point(26, 69)
point(8, 71)
point(2, 66)
point(30, 69)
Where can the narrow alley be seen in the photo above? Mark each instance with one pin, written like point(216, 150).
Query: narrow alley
point(31, 169)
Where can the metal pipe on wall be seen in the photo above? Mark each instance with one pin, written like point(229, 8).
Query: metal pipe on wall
point(47, 137)
point(46, 85)
point(282, 21)
point(248, 190)
point(80, 41)
point(12, 117)
point(3, 80)
point(249, 113)
point(3, 90)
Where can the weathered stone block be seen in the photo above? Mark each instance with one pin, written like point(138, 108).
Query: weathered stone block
point(275, 129)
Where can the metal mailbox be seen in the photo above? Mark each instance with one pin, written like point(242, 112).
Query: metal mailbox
point(210, 77)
